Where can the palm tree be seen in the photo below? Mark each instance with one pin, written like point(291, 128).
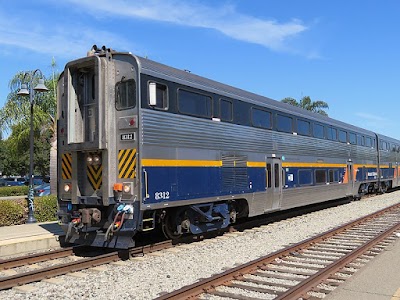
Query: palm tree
point(308, 104)
point(16, 113)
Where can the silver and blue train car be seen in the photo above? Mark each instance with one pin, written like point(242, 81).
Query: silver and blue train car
point(143, 146)
point(389, 162)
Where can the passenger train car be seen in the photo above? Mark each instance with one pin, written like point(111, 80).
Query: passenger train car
point(143, 146)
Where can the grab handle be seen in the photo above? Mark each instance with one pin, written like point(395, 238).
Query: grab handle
point(146, 184)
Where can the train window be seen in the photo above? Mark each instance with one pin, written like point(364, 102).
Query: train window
point(331, 134)
point(284, 123)
point(333, 176)
point(276, 170)
point(303, 127)
point(261, 118)
point(191, 103)
point(320, 176)
point(305, 177)
point(342, 136)
point(360, 140)
point(125, 94)
point(368, 142)
point(318, 131)
point(352, 138)
point(269, 175)
point(383, 145)
point(226, 109)
point(158, 95)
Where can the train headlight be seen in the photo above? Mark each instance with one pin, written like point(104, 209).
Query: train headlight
point(67, 187)
point(127, 188)
point(89, 160)
point(96, 159)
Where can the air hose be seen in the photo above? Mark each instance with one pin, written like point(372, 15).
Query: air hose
point(115, 225)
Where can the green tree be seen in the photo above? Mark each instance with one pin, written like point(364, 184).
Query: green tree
point(15, 119)
point(306, 103)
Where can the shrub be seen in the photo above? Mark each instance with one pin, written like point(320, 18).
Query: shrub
point(45, 208)
point(11, 213)
point(13, 191)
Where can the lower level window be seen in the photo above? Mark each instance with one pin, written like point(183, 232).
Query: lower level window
point(320, 176)
point(305, 177)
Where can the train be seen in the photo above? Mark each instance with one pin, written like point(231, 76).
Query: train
point(144, 147)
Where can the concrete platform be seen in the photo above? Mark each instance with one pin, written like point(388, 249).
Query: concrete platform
point(25, 238)
point(378, 280)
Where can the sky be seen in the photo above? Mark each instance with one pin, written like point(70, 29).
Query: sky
point(345, 53)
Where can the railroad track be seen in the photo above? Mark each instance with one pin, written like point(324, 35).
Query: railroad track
point(307, 270)
point(57, 269)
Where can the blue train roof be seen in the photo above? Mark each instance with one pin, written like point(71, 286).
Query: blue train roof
point(150, 67)
point(153, 68)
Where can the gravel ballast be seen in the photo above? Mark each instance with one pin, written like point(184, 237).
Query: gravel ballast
point(149, 276)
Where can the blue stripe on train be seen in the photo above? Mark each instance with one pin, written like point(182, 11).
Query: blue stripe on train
point(167, 184)
point(182, 183)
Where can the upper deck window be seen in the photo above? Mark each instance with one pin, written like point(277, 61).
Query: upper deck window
point(352, 138)
point(125, 94)
point(342, 136)
point(360, 140)
point(318, 131)
point(331, 134)
point(261, 118)
point(195, 104)
point(303, 127)
point(368, 142)
point(160, 95)
point(226, 110)
point(284, 123)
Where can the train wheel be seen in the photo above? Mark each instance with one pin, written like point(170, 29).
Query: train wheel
point(170, 225)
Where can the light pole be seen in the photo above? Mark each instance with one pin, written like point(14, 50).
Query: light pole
point(28, 89)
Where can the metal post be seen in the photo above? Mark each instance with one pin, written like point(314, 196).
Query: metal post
point(31, 208)
point(40, 87)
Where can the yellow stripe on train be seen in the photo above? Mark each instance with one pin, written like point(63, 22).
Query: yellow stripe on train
point(180, 163)
point(250, 164)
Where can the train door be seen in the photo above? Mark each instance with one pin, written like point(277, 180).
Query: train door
point(350, 176)
point(274, 182)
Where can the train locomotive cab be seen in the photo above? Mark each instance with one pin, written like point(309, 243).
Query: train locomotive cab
point(97, 150)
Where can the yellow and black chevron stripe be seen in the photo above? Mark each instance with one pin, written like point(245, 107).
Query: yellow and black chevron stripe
point(94, 174)
point(127, 163)
point(66, 166)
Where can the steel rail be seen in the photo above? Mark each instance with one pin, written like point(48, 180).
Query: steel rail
point(85, 263)
point(37, 275)
point(35, 258)
point(209, 284)
point(305, 286)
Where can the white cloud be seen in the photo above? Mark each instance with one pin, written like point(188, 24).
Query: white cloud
point(225, 19)
point(40, 37)
point(371, 118)
point(70, 38)
point(372, 122)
